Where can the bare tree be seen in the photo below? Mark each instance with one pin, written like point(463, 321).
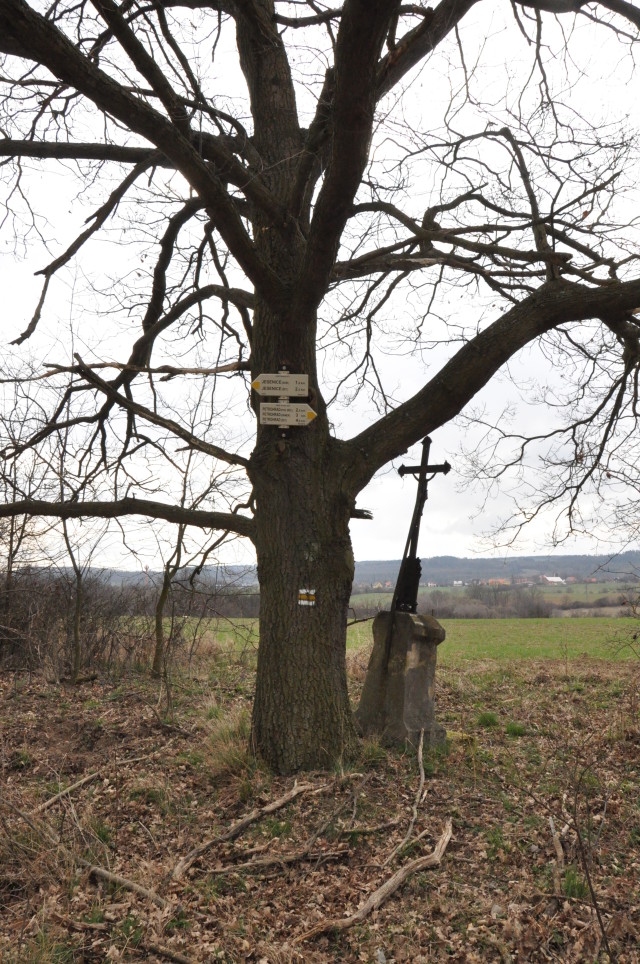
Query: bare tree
point(316, 212)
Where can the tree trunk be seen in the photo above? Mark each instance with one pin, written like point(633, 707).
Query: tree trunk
point(76, 654)
point(302, 717)
point(159, 647)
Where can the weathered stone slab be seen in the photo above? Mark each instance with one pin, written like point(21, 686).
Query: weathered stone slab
point(399, 700)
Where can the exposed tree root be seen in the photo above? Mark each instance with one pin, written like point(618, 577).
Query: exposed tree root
point(384, 892)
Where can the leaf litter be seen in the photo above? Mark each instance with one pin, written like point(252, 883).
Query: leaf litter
point(123, 838)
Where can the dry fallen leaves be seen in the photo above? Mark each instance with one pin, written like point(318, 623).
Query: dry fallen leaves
point(281, 862)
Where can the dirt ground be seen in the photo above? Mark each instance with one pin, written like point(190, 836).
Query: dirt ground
point(540, 778)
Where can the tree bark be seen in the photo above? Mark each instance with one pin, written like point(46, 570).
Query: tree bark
point(159, 648)
point(76, 654)
point(277, 198)
point(302, 717)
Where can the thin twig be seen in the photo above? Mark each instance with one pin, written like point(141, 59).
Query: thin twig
point(44, 830)
point(585, 865)
point(63, 793)
point(414, 812)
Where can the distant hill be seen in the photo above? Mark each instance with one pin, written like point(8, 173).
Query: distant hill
point(447, 569)
point(239, 577)
point(443, 570)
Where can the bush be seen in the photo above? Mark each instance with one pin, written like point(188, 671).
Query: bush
point(36, 625)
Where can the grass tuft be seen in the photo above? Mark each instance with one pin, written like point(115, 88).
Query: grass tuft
point(574, 884)
point(516, 729)
point(227, 751)
point(372, 753)
point(488, 719)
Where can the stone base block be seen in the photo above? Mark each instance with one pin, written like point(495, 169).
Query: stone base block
point(398, 698)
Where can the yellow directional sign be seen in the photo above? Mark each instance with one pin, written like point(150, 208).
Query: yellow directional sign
point(281, 383)
point(285, 413)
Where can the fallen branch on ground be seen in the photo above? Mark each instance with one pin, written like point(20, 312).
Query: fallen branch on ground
point(236, 828)
point(384, 892)
point(306, 852)
point(263, 863)
point(167, 953)
point(368, 831)
point(63, 793)
point(89, 778)
point(95, 871)
point(558, 864)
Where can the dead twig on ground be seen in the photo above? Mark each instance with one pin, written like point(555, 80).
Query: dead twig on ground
point(44, 830)
point(368, 831)
point(63, 793)
point(89, 778)
point(384, 892)
point(95, 871)
point(585, 867)
point(558, 864)
point(236, 828)
point(166, 952)
point(277, 860)
point(306, 852)
point(416, 802)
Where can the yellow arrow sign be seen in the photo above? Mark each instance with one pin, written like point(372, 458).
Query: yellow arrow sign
point(281, 383)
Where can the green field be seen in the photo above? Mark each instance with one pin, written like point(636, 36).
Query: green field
point(556, 595)
point(509, 639)
point(562, 638)
point(468, 639)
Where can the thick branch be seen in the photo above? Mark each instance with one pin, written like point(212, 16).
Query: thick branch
point(209, 147)
point(622, 7)
point(419, 42)
point(141, 350)
point(554, 6)
point(228, 521)
point(363, 29)
point(374, 262)
point(150, 416)
point(143, 62)
point(79, 151)
point(625, 9)
point(469, 370)
point(265, 65)
point(323, 17)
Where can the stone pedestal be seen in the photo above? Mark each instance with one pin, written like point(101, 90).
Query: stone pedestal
point(398, 701)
